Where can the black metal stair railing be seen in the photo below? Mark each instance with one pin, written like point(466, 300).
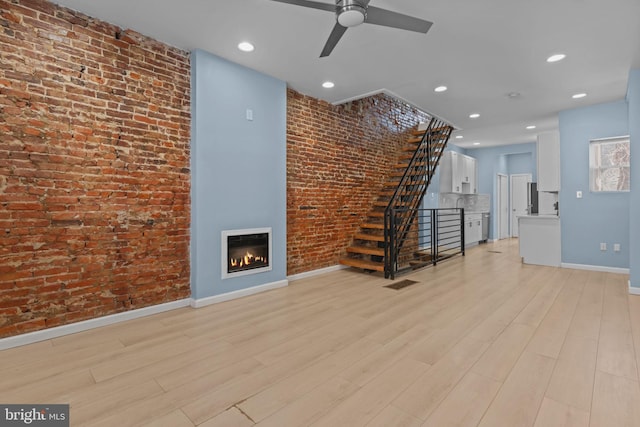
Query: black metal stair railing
point(440, 235)
point(402, 210)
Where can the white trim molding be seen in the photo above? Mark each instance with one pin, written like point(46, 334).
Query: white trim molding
point(602, 268)
point(85, 325)
point(203, 302)
point(633, 290)
point(318, 272)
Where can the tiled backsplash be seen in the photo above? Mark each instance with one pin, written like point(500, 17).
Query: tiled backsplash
point(470, 202)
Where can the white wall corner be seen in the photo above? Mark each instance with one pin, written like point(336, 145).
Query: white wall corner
point(203, 302)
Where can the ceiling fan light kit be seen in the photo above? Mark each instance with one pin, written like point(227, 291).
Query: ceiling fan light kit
point(350, 13)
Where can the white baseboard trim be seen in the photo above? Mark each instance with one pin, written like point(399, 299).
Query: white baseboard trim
point(595, 268)
point(633, 290)
point(85, 325)
point(318, 272)
point(203, 302)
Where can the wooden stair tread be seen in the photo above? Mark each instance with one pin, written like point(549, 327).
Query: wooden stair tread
point(370, 237)
point(394, 184)
point(412, 186)
point(377, 226)
point(365, 250)
point(363, 264)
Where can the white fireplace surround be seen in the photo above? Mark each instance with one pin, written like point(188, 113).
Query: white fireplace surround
point(225, 255)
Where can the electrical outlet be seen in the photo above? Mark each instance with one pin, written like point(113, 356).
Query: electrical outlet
point(578, 194)
point(603, 246)
point(616, 247)
point(249, 114)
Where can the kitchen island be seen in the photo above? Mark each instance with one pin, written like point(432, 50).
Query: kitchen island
point(540, 241)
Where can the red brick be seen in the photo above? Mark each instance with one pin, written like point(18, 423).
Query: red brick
point(338, 158)
point(69, 199)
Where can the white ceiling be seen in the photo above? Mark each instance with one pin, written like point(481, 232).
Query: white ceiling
point(481, 50)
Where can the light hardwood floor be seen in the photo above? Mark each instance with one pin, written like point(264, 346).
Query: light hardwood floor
point(481, 340)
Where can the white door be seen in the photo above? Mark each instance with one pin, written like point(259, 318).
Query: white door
point(503, 207)
point(518, 199)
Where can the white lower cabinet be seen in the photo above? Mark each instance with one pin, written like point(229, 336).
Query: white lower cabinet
point(472, 229)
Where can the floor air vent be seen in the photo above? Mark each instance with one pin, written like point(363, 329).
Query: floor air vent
point(401, 284)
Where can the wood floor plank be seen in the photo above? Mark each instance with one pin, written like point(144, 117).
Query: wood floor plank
point(429, 389)
point(232, 417)
point(588, 315)
point(505, 351)
point(340, 349)
point(616, 353)
point(634, 317)
point(313, 405)
point(271, 399)
point(537, 308)
point(394, 417)
point(467, 402)
point(366, 403)
point(176, 418)
point(572, 380)
point(558, 414)
point(518, 401)
point(552, 331)
point(615, 401)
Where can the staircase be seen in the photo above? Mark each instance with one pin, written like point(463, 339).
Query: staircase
point(380, 238)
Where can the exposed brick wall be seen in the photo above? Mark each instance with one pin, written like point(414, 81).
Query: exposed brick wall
point(338, 158)
point(94, 168)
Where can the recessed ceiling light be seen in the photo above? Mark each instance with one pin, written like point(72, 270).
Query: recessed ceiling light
point(531, 127)
point(557, 57)
point(476, 143)
point(514, 95)
point(328, 85)
point(246, 47)
point(579, 95)
point(440, 89)
point(459, 137)
point(474, 116)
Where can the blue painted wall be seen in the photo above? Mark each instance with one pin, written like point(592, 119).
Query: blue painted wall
point(506, 159)
point(597, 217)
point(633, 99)
point(238, 168)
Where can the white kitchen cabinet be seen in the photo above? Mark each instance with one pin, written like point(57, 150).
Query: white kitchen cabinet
point(548, 157)
point(472, 229)
point(469, 175)
point(458, 173)
point(451, 166)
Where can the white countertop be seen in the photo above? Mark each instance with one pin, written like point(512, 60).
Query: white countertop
point(541, 216)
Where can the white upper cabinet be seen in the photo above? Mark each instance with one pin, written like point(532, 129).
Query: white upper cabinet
point(451, 172)
point(548, 153)
point(458, 173)
point(469, 175)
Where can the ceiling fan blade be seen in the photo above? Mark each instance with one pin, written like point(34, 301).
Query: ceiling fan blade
point(378, 16)
point(312, 4)
point(334, 38)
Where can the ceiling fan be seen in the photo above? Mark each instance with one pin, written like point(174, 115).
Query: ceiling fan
point(350, 13)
